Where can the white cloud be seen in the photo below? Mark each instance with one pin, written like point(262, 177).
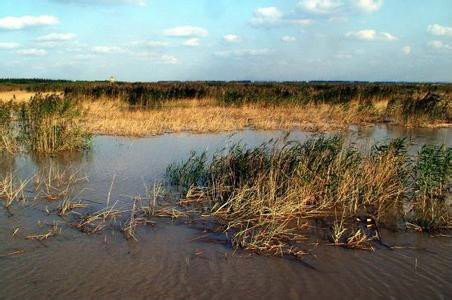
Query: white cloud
point(437, 29)
point(368, 6)
point(406, 50)
point(108, 49)
point(321, 7)
point(303, 22)
point(6, 45)
point(388, 37)
point(83, 56)
point(343, 56)
point(167, 59)
point(49, 44)
point(104, 2)
point(288, 39)
point(137, 2)
point(152, 43)
point(193, 42)
point(266, 16)
point(271, 17)
point(56, 37)
point(366, 34)
point(231, 38)
point(371, 35)
point(242, 52)
point(439, 45)
point(32, 52)
point(16, 23)
point(186, 31)
point(339, 8)
point(157, 58)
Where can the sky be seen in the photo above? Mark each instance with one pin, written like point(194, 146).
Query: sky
point(287, 40)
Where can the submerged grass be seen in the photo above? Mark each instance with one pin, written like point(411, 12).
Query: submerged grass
point(54, 231)
point(12, 189)
point(269, 196)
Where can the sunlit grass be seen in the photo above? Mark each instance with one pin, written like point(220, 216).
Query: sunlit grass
point(268, 196)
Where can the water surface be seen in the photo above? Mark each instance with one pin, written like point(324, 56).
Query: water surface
point(179, 261)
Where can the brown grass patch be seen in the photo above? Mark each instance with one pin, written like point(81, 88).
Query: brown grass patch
point(204, 116)
point(19, 96)
point(116, 117)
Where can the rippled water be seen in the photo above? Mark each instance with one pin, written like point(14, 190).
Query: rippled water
point(179, 261)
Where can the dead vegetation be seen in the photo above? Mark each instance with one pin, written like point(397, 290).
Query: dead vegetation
point(54, 182)
point(54, 231)
point(114, 116)
point(269, 197)
point(12, 189)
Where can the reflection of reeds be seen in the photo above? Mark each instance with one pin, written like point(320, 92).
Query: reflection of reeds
point(55, 183)
point(13, 253)
point(51, 184)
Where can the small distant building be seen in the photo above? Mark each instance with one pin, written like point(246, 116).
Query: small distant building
point(112, 79)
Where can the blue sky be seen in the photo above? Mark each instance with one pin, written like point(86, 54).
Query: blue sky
point(149, 40)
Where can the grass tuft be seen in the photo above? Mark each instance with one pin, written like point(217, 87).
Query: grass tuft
point(268, 196)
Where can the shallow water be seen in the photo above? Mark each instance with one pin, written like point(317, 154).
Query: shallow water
point(179, 261)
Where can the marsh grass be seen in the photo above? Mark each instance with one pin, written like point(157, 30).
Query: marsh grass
point(311, 108)
point(7, 139)
point(52, 124)
point(417, 108)
point(268, 196)
point(12, 189)
point(433, 175)
point(106, 116)
point(406, 104)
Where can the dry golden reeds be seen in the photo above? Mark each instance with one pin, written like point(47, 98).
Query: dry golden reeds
point(55, 230)
point(268, 196)
point(12, 189)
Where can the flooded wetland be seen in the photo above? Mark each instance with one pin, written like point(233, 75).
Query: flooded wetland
point(202, 190)
point(218, 149)
point(176, 255)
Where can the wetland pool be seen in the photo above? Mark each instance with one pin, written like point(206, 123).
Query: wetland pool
point(173, 260)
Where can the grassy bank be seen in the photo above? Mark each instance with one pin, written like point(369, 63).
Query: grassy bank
point(268, 198)
point(140, 109)
point(315, 103)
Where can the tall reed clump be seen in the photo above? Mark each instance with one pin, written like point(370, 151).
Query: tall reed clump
point(431, 187)
point(51, 124)
point(421, 108)
point(7, 140)
point(268, 196)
